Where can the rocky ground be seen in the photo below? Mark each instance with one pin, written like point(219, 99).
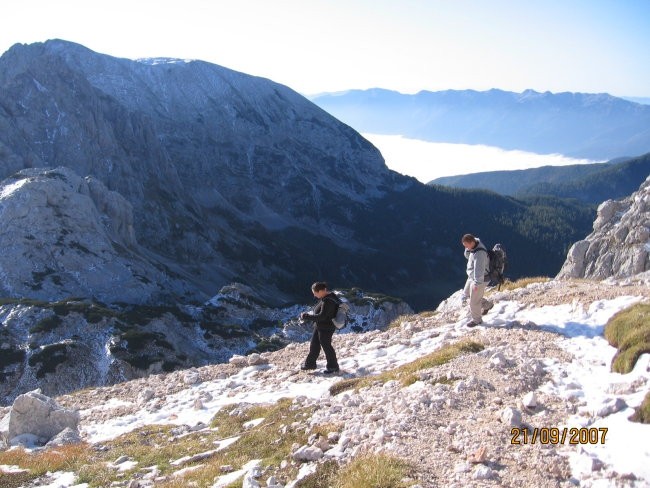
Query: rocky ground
point(456, 426)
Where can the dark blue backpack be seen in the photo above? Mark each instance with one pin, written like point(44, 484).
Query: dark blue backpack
point(498, 264)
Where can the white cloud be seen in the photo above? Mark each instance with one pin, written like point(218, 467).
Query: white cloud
point(429, 160)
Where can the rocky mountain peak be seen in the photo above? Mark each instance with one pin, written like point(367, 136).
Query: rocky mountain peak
point(212, 161)
point(619, 245)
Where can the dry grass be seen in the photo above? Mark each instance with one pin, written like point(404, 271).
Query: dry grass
point(521, 283)
point(401, 320)
point(65, 458)
point(407, 373)
point(364, 471)
point(156, 445)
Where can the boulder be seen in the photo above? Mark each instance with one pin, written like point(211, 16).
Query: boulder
point(39, 415)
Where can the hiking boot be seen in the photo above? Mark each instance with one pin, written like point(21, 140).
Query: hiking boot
point(473, 323)
point(307, 367)
point(331, 370)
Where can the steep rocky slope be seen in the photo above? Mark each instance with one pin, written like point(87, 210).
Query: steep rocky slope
point(79, 343)
point(619, 245)
point(453, 424)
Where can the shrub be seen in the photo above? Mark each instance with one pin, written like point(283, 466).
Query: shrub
point(11, 356)
point(629, 332)
point(47, 324)
point(49, 357)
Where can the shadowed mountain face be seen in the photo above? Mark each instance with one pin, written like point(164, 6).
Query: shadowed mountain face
point(230, 177)
point(594, 126)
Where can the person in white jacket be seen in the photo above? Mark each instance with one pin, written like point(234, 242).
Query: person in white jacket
point(478, 265)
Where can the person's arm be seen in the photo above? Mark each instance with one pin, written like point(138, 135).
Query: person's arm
point(324, 311)
point(312, 317)
point(480, 263)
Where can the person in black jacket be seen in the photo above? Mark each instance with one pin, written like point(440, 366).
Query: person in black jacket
point(324, 311)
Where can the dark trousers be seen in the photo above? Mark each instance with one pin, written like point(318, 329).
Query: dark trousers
point(322, 339)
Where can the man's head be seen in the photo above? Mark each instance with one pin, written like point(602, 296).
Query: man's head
point(319, 289)
point(468, 241)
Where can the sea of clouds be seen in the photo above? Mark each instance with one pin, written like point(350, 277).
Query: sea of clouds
point(427, 161)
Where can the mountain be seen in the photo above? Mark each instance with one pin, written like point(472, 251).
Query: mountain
point(231, 178)
point(132, 193)
point(589, 183)
point(594, 126)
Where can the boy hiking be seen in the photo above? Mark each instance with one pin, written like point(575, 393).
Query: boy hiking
point(324, 311)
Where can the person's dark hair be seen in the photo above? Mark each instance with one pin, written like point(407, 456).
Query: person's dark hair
point(468, 238)
point(319, 285)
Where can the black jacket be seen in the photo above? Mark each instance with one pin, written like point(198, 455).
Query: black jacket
point(324, 311)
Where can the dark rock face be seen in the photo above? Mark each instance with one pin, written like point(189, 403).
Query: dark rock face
point(619, 246)
point(213, 161)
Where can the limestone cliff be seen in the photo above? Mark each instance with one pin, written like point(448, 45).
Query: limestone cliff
point(619, 245)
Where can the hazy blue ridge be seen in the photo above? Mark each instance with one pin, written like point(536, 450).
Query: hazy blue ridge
point(583, 125)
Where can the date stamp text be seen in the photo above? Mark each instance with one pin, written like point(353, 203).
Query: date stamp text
point(555, 435)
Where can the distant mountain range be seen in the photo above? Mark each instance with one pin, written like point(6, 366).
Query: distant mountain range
point(589, 183)
point(593, 126)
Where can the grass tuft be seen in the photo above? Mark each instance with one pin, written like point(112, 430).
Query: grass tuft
point(629, 332)
point(374, 471)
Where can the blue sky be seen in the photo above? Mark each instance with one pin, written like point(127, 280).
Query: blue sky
point(407, 45)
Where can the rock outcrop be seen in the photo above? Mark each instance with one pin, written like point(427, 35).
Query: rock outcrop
point(73, 344)
point(619, 245)
point(67, 236)
point(35, 417)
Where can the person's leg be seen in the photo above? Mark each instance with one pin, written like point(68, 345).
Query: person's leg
point(326, 344)
point(314, 350)
point(475, 296)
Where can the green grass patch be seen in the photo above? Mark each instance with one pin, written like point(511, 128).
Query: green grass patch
point(629, 332)
point(157, 445)
point(642, 412)
point(407, 373)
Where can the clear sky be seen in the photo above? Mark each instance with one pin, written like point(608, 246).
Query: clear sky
point(315, 46)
